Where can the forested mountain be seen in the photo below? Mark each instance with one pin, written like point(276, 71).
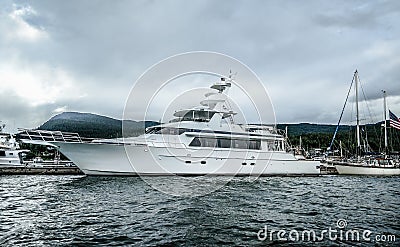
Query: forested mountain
point(94, 126)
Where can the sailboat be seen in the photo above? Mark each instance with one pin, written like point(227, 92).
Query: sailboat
point(372, 165)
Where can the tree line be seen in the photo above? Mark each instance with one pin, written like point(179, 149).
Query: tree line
point(371, 139)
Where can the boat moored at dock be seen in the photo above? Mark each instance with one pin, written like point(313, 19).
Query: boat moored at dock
point(382, 164)
point(10, 153)
point(380, 167)
point(203, 140)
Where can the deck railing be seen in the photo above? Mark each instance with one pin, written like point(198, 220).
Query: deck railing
point(46, 135)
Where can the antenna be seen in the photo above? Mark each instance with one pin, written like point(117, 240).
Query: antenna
point(2, 126)
point(231, 75)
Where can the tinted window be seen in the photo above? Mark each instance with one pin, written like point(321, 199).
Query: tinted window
point(243, 144)
point(201, 116)
point(208, 142)
point(165, 131)
point(195, 143)
point(254, 144)
point(225, 143)
point(152, 130)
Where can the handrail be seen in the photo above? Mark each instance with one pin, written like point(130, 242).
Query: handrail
point(47, 135)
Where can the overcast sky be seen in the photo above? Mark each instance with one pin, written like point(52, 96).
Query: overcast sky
point(85, 55)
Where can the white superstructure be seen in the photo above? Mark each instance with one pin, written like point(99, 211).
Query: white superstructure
point(198, 141)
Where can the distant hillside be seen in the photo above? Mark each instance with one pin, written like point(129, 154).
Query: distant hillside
point(308, 128)
point(94, 126)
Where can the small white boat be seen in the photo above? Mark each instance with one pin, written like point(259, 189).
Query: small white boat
point(10, 154)
point(11, 157)
point(383, 167)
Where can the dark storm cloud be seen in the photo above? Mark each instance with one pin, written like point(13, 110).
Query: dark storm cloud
point(305, 52)
point(363, 14)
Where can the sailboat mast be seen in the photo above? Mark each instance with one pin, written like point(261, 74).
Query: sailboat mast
point(341, 150)
point(300, 142)
point(286, 132)
point(384, 121)
point(357, 112)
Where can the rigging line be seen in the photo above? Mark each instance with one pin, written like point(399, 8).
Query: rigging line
point(341, 115)
point(375, 131)
point(366, 100)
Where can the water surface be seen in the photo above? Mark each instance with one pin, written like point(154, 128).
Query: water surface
point(108, 211)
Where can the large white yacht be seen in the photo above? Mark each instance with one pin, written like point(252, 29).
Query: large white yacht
point(204, 140)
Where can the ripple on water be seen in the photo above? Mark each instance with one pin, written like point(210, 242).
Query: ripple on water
point(78, 210)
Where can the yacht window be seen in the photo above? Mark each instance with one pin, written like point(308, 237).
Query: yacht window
point(208, 142)
point(169, 131)
point(2, 153)
point(152, 130)
point(203, 142)
point(243, 144)
point(255, 144)
point(195, 143)
point(224, 143)
point(198, 116)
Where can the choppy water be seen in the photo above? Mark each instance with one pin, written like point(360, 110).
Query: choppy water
point(87, 211)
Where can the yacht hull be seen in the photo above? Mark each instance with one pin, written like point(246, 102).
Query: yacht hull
point(133, 160)
point(354, 169)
